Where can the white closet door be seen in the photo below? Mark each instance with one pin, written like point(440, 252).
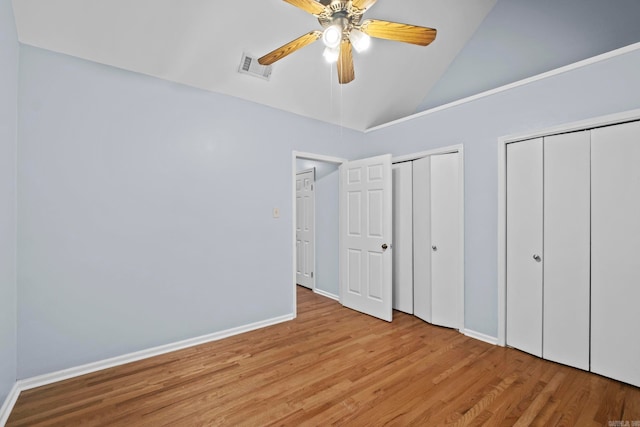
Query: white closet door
point(524, 245)
point(422, 238)
point(566, 249)
point(446, 286)
point(403, 237)
point(615, 256)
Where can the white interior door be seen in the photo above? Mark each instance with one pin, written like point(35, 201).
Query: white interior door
point(403, 237)
point(366, 236)
point(567, 251)
point(446, 285)
point(422, 238)
point(615, 252)
point(305, 223)
point(524, 245)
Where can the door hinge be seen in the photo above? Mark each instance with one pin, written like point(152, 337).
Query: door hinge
point(312, 274)
point(311, 187)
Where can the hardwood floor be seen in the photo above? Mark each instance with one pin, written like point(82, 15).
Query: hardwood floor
point(332, 365)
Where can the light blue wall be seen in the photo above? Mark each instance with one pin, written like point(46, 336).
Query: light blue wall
point(523, 38)
point(327, 217)
point(602, 88)
point(145, 206)
point(8, 147)
point(146, 210)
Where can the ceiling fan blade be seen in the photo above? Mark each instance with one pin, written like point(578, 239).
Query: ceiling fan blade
point(363, 5)
point(289, 48)
point(406, 33)
point(310, 6)
point(346, 72)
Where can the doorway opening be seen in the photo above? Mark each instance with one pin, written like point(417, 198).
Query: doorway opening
point(324, 218)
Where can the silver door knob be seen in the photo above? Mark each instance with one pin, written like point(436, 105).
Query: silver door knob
point(435, 248)
point(384, 246)
point(537, 257)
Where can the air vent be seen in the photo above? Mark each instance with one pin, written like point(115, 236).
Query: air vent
point(250, 65)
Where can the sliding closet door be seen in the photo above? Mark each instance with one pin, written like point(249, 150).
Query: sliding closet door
point(403, 237)
point(422, 238)
point(446, 286)
point(524, 245)
point(566, 249)
point(615, 258)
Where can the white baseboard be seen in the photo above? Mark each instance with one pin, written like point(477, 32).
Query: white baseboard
point(41, 380)
point(479, 336)
point(326, 294)
point(7, 406)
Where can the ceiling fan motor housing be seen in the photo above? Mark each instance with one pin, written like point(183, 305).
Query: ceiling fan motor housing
point(340, 13)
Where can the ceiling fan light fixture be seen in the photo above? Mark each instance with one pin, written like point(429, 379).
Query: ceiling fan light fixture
point(332, 36)
point(331, 54)
point(359, 40)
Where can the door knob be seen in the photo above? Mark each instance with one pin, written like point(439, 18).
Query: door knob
point(384, 246)
point(435, 248)
point(537, 257)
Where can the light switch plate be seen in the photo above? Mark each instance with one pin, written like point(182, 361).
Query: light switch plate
point(276, 212)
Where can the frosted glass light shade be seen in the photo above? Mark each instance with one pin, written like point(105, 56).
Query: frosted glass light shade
point(359, 40)
point(331, 54)
point(332, 36)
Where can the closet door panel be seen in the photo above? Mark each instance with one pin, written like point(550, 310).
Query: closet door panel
point(422, 238)
point(615, 256)
point(566, 249)
point(403, 237)
point(524, 242)
point(446, 288)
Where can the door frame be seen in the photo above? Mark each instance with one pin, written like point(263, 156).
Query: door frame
point(611, 119)
point(295, 155)
point(458, 148)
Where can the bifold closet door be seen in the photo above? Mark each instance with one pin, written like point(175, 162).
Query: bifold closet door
point(446, 286)
point(437, 287)
point(615, 256)
point(403, 237)
point(422, 238)
point(566, 262)
point(524, 245)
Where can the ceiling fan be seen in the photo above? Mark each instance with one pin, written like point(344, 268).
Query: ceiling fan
point(344, 29)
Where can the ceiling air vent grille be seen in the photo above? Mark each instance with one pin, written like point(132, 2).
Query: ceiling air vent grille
point(250, 65)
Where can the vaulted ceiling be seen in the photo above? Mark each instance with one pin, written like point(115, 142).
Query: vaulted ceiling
point(200, 43)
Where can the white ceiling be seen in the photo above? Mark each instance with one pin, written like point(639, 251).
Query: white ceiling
point(200, 43)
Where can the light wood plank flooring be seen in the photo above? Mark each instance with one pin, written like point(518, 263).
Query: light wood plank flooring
point(332, 365)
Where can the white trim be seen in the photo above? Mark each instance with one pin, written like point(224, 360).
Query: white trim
point(8, 404)
point(480, 336)
point(77, 371)
point(295, 155)
point(318, 157)
point(307, 170)
point(420, 155)
point(548, 74)
point(591, 123)
point(594, 122)
point(326, 294)
point(502, 242)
